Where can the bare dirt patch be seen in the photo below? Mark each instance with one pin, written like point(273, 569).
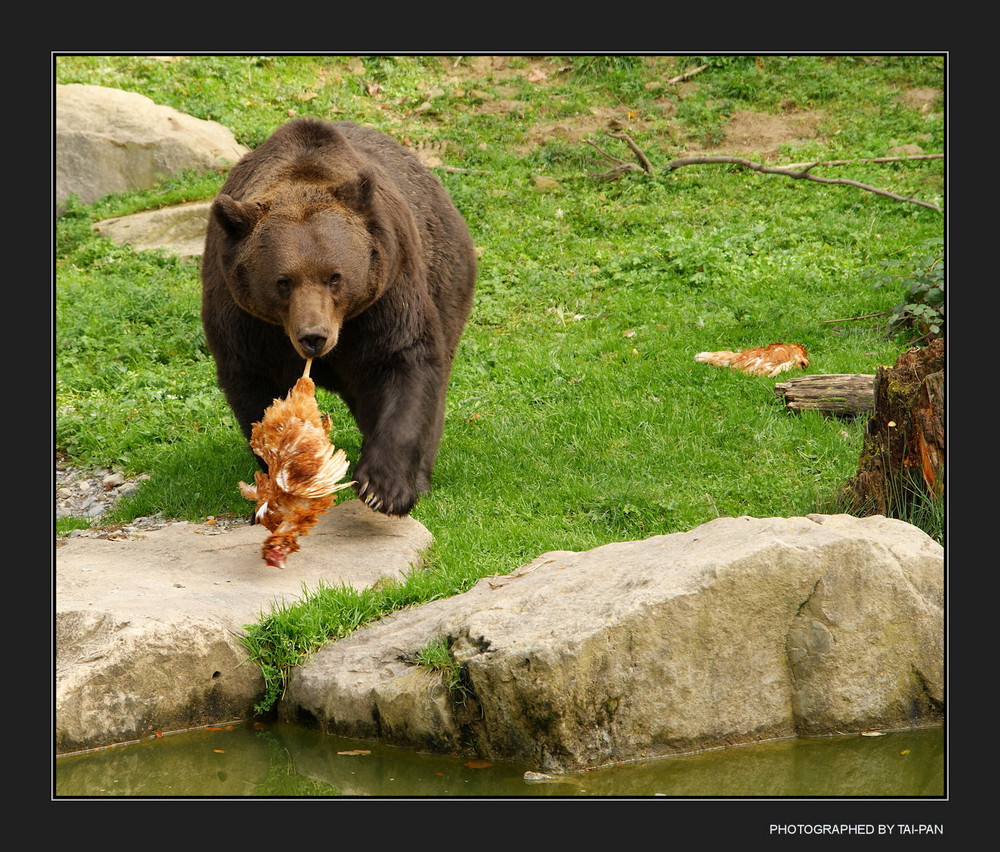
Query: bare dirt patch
point(573, 129)
point(923, 99)
point(763, 134)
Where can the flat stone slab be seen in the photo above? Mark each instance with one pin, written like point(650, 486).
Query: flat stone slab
point(147, 630)
point(178, 230)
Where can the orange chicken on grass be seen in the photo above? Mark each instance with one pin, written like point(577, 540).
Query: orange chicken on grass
point(767, 360)
point(304, 469)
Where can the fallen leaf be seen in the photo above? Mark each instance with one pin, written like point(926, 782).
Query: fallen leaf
point(905, 751)
point(355, 751)
point(219, 750)
point(873, 733)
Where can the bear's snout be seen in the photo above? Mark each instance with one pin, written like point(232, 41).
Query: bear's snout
point(313, 320)
point(313, 341)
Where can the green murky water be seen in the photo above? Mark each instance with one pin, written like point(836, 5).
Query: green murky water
point(282, 760)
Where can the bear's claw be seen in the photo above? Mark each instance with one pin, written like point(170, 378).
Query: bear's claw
point(396, 505)
point(372, 500)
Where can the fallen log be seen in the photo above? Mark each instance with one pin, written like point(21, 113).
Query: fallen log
point(842, 394)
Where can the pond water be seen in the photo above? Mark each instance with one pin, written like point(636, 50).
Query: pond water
point(278, 760)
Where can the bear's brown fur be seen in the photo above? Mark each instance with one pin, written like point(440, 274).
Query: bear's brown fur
point(333, 242)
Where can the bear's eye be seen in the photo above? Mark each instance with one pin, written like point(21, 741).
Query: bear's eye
point(284, 286)
point(334, 279)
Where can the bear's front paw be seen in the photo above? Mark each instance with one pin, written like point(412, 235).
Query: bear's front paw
point(384, 494)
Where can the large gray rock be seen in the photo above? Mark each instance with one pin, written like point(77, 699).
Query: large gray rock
point(742, 629)
point(147, 629)
point(108, 140)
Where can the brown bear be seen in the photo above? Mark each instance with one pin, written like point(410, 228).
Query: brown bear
point(332, 241)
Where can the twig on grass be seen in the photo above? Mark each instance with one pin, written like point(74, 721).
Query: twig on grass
point(646, 165)
point(687, 75)
point(619, 166)
point(799, 171)
point(802, 174)
point(808, 166)
point(455, 170)
point(711, 503)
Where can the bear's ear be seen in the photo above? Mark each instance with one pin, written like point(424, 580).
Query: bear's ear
point(237, 218)
point(358, 194)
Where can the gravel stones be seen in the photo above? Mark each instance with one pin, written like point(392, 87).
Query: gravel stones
point(91, 494)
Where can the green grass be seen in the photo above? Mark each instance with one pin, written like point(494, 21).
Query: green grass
point(286, 635)
point(436, 656)
point(576, 413)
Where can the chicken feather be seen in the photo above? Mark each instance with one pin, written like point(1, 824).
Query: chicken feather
point(304, 469)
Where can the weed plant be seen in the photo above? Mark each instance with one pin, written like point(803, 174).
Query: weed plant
point(436, 656)
point(576, 414)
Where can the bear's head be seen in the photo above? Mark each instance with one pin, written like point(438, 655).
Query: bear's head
point(308, 257)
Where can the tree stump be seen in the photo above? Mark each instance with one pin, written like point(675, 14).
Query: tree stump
point(842, 394)
point(903, 450)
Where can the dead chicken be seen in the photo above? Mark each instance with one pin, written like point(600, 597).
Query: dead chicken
point(767, 360)
point(304, 469)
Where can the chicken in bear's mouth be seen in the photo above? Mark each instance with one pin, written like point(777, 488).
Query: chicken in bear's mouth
point(304, 469)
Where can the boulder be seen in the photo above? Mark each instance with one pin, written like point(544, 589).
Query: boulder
point(740, 630)
point(147, 629)
point(108, 140)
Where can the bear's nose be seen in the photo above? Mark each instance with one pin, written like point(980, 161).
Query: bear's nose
point(312, 342)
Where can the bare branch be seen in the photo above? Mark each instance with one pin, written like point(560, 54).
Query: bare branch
point(800, 171)
point(646, 165)
point(794, 173)
point(619, 166)
point(818, 163)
